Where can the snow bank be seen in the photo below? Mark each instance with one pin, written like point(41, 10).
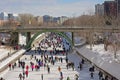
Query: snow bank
point(112, 67)
point(79, 41)
point(6, 61)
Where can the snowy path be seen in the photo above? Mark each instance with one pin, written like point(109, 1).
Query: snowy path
point(4, 52)
point(54, 74)
point(84, 74)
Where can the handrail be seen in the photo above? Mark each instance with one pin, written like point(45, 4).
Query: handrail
point(62, 28)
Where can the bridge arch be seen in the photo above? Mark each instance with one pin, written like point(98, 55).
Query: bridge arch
point(57, 32)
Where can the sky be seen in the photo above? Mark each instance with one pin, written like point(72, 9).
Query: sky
point(69, 8)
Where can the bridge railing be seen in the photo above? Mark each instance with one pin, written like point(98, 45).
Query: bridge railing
point(12, 28)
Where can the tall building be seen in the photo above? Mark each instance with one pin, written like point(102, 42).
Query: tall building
point(118, 7)
point(39, 19)
point(56, 19)
point(110, 8)
point(10, 16)
point(99, 9)
point(3, 16)
point(46, 18)
point(63, 19)
point(15, 16)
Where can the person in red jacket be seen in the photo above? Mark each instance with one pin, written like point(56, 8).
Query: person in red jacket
point(10, 66)
point(36, 67)
point(27, 67)
point(26, 73)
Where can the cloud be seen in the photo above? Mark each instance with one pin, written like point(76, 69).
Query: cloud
point(50, 7)
point(77, 8)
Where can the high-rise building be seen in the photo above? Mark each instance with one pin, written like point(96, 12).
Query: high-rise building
point(15, 16)
point(10, 16)
point(46, 18)
point(118, 7)
point(3, 16)
point(63, 19)
point(39, 19)
point(110, 8)
point(99, 9)
point(56, 19)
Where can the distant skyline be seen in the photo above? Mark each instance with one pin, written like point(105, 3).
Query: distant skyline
point(70, 8)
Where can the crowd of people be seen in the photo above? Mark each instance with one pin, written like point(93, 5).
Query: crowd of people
point(48, 56)
point(53, 43)
point(50, 51)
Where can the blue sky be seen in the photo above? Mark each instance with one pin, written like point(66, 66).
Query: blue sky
point(50, 7)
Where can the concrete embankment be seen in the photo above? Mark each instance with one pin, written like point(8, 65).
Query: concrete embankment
point(11, 59)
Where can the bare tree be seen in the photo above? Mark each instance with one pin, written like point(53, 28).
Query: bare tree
point(27, 19)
